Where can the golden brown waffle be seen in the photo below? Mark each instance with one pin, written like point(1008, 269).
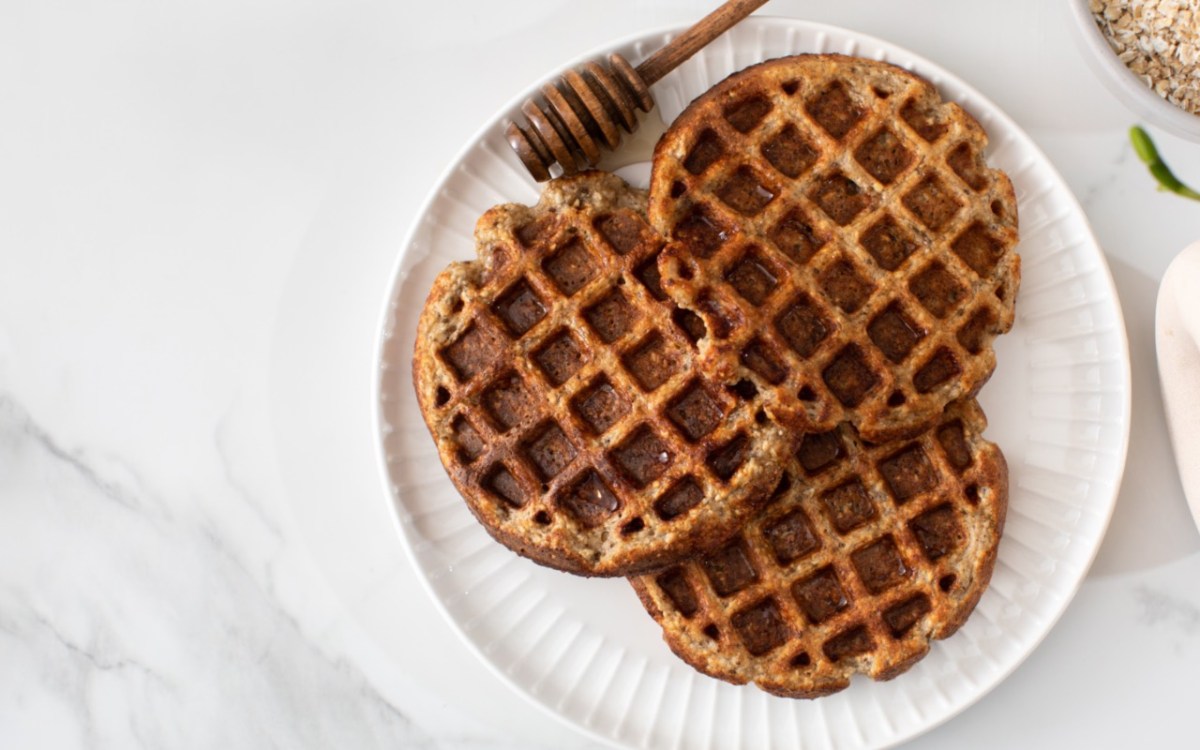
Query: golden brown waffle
point(563, 393)
point(866, 554)
point(834, 223)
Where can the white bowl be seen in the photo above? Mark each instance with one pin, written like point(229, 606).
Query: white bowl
point(1124, 83)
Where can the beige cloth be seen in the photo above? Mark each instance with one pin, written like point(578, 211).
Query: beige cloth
point(1178, 343)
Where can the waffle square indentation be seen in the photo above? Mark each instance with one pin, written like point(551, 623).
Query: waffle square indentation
point(508, 402)
point(908, 472)
point(753, 278)
point(954, 442)
point(941, 367)
point(642, 457)
point(675, 585)
point(612, 316)
point(820, 450)
point(938, 531)
point(849, 376)
point(745, 192)
point(652, 362)
point(520, 307)
point(600, 406)
point(570, 268)
point(796, 237)
point(789, 152)
point(679, 499)
point(706, 150)
point(968, 165)
point(699, 232)
point(973, 335)
point(745, 114)
point(845, 287)
point(803, 326)
point(888, 243)
point(722, 318)
point(791, 537)
point(729, 569)
point(695, 411)
point(901, 617)
point(932, 203)
point(727, 459)
point(549, 451)
point(470, 442)
point(978, 249)
point(848, 506)
point(923, 119)
point(648, 274)
point(761, 627)
point(762, 359)
point(690, 323)
point(500, 482)
point(894, 333)
point(834, 110)
point(852, 642)
point(884, 155)
point(560, 357)
point(820, 595)
point(623, 231)
point(937, 289)
point(589, 500)
point(536, 233)
point(879, 565)
point(472, 352)
point(840, 197)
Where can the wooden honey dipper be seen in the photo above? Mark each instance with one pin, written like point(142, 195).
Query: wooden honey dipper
point(588, 106)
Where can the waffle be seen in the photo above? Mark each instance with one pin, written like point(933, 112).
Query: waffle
point(835, 225)
point(564, 396)
point(866, 554)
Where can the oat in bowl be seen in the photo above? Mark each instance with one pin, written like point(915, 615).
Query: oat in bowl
point(1159, 40)
point(1147, 52)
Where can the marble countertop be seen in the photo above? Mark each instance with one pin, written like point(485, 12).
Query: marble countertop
point(199, 209)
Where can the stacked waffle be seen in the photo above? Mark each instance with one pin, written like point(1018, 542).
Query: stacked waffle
point(751, 389)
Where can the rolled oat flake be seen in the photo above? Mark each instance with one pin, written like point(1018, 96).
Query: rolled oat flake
point(1159, 40)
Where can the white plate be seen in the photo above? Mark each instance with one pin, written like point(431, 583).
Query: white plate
point(587, 652)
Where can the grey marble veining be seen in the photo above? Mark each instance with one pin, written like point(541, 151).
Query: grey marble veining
point(145, 629)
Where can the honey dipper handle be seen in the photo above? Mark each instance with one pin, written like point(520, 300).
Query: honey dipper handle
point(586, 108)
point(654, 67)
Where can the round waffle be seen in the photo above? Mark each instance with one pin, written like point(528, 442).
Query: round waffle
point(835, 225)
point(564, 395)
point(866, 554)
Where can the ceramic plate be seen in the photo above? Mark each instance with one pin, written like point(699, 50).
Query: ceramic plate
point(586, 651)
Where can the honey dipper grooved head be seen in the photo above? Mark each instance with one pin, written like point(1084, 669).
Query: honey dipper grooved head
point(578, 111)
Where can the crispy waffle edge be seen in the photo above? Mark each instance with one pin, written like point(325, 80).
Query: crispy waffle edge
point(729, 661)
point(879, 423)
point(439, 325)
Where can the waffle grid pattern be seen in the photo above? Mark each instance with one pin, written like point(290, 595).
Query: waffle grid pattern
point(836, 227)
point(564, 398)
point(868, 553)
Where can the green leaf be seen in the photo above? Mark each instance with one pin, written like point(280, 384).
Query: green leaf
point(1144, 147)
